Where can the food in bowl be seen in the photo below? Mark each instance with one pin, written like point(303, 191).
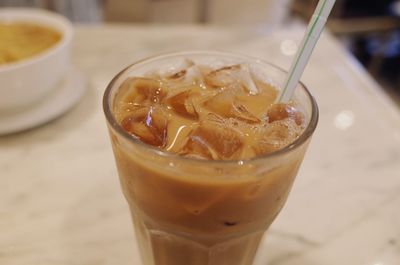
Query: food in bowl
point(20, 40)
point(27, 81)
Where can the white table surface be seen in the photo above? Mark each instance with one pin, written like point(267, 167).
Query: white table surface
point(60, 201)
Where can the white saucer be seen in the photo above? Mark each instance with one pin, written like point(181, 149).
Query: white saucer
point(68, 93)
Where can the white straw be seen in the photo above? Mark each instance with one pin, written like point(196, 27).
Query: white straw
point(303, 54)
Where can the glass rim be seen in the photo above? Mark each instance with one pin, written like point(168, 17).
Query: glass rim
point(307, 133)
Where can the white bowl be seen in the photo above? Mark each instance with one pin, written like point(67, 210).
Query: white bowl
point(27, 81)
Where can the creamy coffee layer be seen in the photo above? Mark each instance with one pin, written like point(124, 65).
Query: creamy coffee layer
point(204, 112)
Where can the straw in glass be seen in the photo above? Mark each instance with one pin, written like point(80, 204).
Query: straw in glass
point(315, 27)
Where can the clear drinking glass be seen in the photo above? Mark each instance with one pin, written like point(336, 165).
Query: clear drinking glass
point(197, 212)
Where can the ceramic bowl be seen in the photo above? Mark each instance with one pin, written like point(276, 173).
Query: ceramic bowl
point(26, 81)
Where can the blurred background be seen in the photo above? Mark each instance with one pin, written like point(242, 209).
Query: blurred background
point(369, 29)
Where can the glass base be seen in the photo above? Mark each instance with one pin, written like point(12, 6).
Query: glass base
point(163, 248)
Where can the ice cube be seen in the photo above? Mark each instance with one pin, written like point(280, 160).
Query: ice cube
point(233, 76)
point(240, 112)
point(188, 74)
point(215, 139)
point(148, 124)
point(195, 75)
point(221, 103)
point(178, 74)
point(141, 91)
point(281, 111)
point(247, 80)
point(183, 105)
point(222, 77)
point(181, 70)
point(226, 105)
point(277, 135)
point(177, 70)
point(195, 147)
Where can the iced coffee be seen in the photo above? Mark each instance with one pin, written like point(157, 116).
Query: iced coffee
point(205, 155)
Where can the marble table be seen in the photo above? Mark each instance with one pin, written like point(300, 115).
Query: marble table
point(60, 201)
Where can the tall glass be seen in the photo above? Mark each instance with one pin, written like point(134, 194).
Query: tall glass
point(196, 212)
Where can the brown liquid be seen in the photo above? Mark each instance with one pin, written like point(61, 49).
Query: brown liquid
point(214, 118)
point(186, 213)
